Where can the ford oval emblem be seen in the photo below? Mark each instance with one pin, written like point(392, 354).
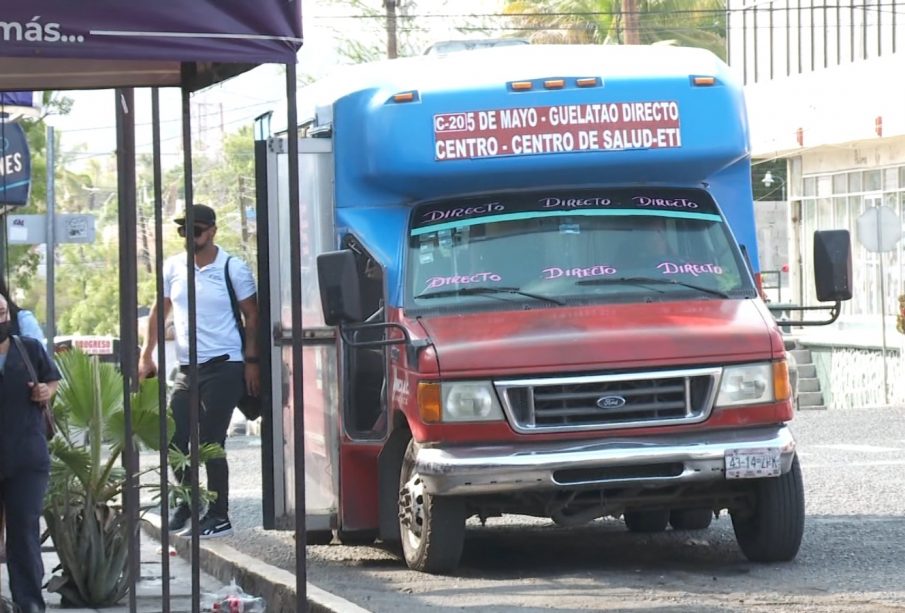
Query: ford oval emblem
point(610, 402)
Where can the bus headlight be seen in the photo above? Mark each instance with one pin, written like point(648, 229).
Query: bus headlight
point(747, 384)
point(470, 401)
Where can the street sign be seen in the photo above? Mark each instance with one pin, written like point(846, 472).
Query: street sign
point(74, 228)
point(879, 229)
point(32, 229)
point(15, 164)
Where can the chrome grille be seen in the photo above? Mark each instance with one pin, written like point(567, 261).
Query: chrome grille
point(621, 400)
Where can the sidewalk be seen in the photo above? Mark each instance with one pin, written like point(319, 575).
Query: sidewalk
point(256, 576)
point(148, 588)
point(261, 561)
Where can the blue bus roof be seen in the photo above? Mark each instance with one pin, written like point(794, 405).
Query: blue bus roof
point(388, 152)
point(491, 66)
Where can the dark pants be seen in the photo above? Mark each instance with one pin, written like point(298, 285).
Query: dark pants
point(22, 496)
point(220, 386)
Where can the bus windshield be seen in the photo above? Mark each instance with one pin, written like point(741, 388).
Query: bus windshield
point(621, 245)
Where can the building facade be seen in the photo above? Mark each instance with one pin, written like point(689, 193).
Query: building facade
point(825, 88)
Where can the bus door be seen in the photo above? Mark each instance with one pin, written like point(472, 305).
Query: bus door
point(319, 367)
point(363, 359)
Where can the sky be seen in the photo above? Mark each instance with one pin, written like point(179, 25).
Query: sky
point(89, 130)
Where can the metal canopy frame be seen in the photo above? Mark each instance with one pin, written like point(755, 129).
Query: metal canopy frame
point(93, 44)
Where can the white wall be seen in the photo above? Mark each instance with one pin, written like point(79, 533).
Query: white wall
point(833, 87)
point(831, 107)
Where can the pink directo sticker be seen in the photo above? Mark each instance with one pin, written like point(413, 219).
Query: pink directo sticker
point(687, 268)
point(600, 270)
point(478, 277)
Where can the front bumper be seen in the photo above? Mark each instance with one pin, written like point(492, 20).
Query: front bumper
point(655, 461)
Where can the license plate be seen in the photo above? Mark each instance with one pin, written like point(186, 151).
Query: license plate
point(753, 463)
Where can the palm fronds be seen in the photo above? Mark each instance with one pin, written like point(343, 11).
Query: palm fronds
point(83, 507)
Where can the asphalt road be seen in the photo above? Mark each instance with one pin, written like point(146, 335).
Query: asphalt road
point(852, 557)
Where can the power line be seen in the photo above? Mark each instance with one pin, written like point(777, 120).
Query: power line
point(575, 28)
point(877, 7)
point(168, 121)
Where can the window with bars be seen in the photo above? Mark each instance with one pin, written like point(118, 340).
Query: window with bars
point(778, 38)
point(853, 194)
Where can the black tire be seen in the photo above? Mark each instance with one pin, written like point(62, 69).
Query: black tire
point(772, 533)
point(690, 519)
point(319, 537)
point(356, 537)
point(646, 521)
point(432, 527)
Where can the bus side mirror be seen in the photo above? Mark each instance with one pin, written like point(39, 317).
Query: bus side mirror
point(833, 265)
point(337, 276)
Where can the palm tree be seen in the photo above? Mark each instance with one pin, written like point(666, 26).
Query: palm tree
point(574, 22)
point(692, 23)
point(83, 508)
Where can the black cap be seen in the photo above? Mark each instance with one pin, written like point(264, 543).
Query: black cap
point(203, 214)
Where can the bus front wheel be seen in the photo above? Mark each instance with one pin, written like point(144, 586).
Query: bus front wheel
point(432, 527)
point(772, 530)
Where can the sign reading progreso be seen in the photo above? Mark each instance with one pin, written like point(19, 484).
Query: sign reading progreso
point(92, 345)
point(566, 128)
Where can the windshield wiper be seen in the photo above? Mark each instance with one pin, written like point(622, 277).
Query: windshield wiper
point(472, 291)
point(643, 280)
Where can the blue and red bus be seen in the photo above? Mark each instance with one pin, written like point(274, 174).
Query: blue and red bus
point(530, 288)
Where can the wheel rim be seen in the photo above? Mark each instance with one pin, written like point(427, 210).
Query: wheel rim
point(411, 510)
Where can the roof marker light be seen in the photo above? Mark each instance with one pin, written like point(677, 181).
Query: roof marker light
point(521, 86)
point(404, 97)
point(704, 81)
point(554, 83)
point(587, 82)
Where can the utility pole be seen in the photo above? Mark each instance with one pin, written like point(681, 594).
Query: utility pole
point(50, 316)
point(145, 248)
point(4, 269)
point(631, 24)
point(242, 215)
point(390, 6)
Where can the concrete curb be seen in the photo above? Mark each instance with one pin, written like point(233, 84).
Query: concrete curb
point(275, 585)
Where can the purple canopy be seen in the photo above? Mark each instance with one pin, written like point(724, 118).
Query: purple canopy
point(82, 44)
point(57, 44)
point(24, 99)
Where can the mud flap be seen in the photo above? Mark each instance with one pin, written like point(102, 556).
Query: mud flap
point(389, 467)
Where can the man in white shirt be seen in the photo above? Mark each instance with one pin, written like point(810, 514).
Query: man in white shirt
point(223, 371)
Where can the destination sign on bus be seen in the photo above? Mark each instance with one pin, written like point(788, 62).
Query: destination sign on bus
point(566, 128)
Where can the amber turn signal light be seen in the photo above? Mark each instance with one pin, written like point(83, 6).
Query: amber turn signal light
point(429, 402)
point(782, 388)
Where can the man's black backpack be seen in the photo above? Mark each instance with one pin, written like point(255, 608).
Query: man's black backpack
point(248, 404)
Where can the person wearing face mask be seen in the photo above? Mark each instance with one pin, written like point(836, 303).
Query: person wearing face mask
point(24, 459)
point(227, 365)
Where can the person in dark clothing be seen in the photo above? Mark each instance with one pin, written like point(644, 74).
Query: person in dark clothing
point(24, 459)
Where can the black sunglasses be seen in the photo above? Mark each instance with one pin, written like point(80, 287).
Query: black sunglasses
point(199, 230)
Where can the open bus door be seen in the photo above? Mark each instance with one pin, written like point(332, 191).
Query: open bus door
point(340, 454)
point(319, 351)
